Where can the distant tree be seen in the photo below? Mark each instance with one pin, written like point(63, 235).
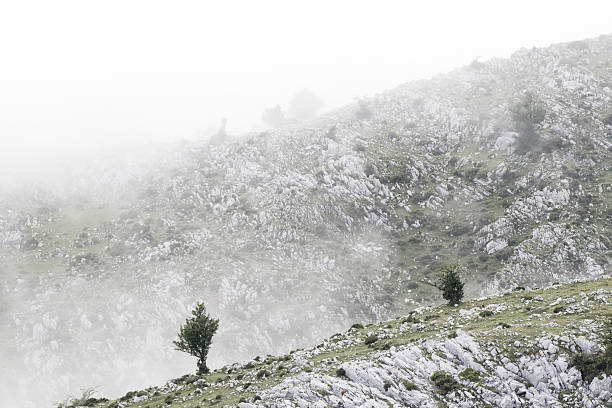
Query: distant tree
point(221, 136)
point(526, 114)
point(305, 105)
point(195, 335)
point(449, 282)
point(363, 112)
point(274, 116)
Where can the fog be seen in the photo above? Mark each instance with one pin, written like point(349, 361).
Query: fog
point(103, 104)
point(79, 74)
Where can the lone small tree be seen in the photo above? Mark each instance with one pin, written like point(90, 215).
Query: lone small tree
point(449, 282)
point(195, 335)
point(274, 116)
point(363, 112)
point(526, 114)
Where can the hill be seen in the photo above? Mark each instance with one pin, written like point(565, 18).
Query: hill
point(290, 235)
point(517, 349)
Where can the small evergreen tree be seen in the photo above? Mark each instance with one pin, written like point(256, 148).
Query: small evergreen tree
point(274, 116)
point(364, 112)
point(449, 282)
point(195, 335)
point(526, 114)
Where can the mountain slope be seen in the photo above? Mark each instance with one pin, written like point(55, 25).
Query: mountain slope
point(290, 235)
point(507, 351)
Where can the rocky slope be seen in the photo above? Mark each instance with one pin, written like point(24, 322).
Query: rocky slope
point(290, 235)
point(509, 351)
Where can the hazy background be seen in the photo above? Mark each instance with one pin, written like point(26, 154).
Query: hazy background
point(76, 75)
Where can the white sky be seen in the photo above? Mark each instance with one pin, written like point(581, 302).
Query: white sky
point(78, 73)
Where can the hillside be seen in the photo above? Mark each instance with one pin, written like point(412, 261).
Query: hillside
point(291, 235)
point(507, 351)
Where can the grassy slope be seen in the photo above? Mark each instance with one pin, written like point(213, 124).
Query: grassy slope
point(526, 317)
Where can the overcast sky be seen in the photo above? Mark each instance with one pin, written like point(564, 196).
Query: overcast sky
point(77, 73)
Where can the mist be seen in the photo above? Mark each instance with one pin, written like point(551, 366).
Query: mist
point(77, 75)
point(120, 207)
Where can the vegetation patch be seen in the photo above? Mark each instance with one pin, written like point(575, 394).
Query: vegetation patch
point(470, 374)
point(444, 381)
point(594, 365)
point(371, 339)
point(409, 385)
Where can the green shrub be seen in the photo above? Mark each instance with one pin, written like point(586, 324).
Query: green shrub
point(382, 345)
point(189, 379)
point(408, 385)
point(444, 381)
point(262, 373)
point(410, 319)
point(558, 309)
point(87, 399)
point(357, 326)
point(593, 365)
point(340, 372)
point(387, 385)
point(128, 395)
point(371, 339)
point(512, 242)
point(470, 374)
point(504, 254)
point(485, 313)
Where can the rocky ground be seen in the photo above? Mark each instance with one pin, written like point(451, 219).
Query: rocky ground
point(291, 234)
point(513, 350)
